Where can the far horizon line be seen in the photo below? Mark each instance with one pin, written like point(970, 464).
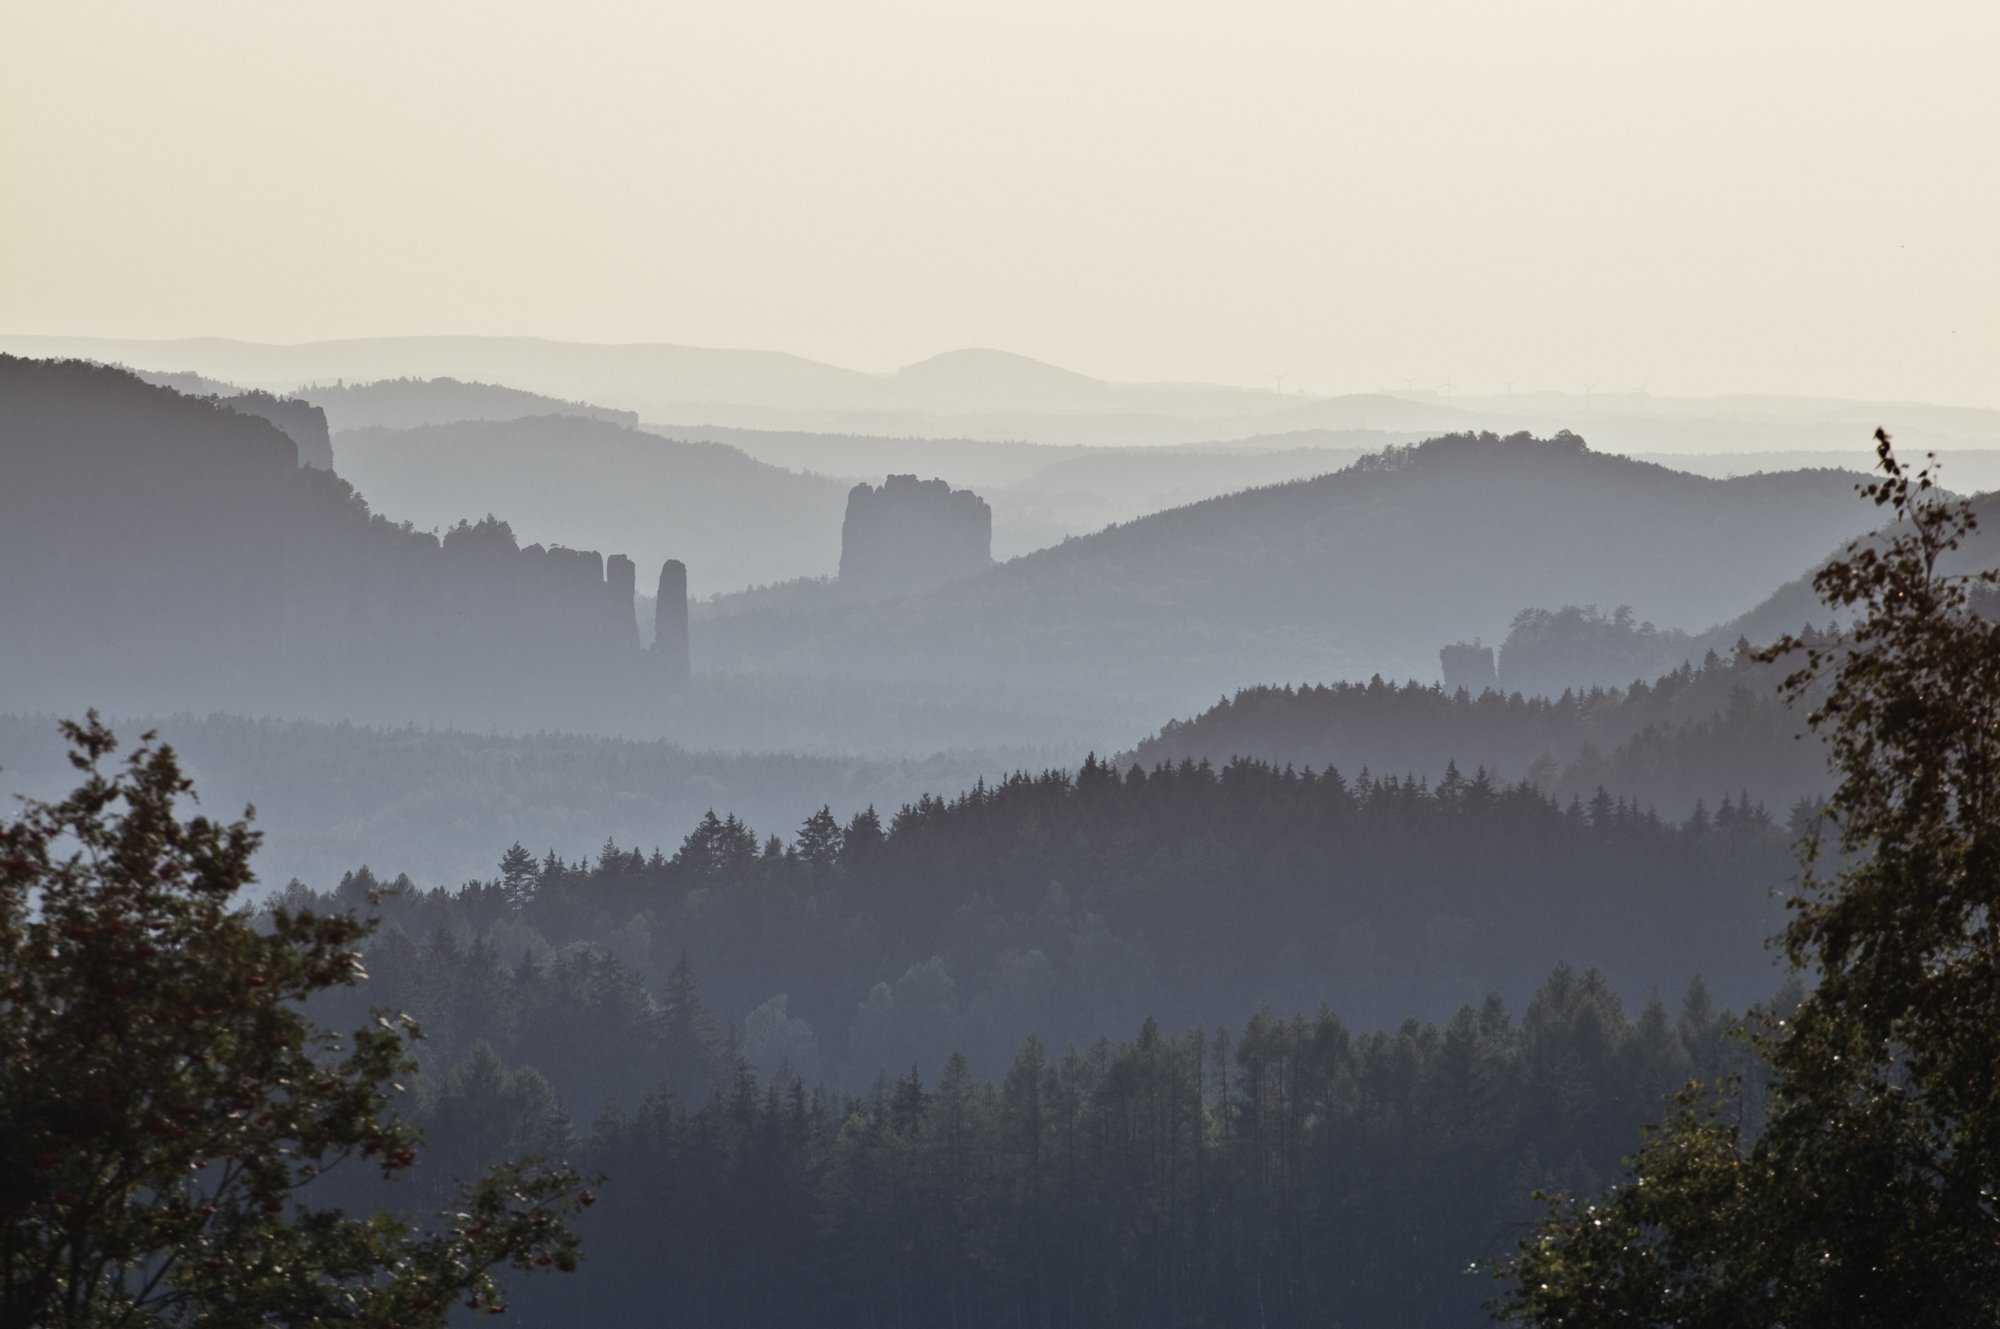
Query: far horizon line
point(1584, 390)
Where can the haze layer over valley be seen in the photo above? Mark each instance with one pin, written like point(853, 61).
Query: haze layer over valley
point(883, 666)
point(929, 672)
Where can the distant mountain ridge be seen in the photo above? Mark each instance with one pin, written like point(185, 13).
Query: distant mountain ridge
point(1365, 570)
point(407, 403)
point(1795, 605)
point(733, 520)
point(999, 395)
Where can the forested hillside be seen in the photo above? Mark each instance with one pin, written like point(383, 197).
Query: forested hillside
point(1071, 904)
point(1796, 602)
point(802, 1065)
point(562, 479)
point(1667, 743)
point(1283, 1171)
point(1367, 570)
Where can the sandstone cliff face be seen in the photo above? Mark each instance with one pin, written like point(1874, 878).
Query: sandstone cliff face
point(302, 422)
point(1469, 666)
point(621, 584)
point(908, 534)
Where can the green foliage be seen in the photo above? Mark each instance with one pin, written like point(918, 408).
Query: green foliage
point(166, 1108)
point(1868, 1196)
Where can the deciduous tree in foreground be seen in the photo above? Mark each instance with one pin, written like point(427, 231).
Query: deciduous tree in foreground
point(1868, 1196)
point(165, 1105)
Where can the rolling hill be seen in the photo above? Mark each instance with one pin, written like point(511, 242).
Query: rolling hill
point(1366, 570)
point(406, 403)
point(1795, 604)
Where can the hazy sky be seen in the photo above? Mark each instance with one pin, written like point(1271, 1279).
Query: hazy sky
point(1700, 197)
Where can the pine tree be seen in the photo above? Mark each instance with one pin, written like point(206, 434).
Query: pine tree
point(518, 874)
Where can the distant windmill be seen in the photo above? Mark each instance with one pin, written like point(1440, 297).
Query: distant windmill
point(1510, 385)
point(1410, 383)
point(1279, 379)
point(1446, 388)
point(1589, 388)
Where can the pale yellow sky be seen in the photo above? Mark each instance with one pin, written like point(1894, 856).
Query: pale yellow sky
point(1701, 197)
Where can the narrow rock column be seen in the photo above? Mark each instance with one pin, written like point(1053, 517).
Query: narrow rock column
point(670, 624)
point(621, 579)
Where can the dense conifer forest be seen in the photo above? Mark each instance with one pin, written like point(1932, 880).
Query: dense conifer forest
point(1283, 1171)
point(1072, 903)
point(1245, 1166)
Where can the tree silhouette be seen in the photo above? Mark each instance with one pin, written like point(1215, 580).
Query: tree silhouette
point(166, 1108)
point(1867, 1197)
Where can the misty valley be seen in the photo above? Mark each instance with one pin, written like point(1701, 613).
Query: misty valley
point(884, 902)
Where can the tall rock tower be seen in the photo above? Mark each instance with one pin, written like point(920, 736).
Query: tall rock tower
point(670, 624)
point(911, 533)
point(621, 580)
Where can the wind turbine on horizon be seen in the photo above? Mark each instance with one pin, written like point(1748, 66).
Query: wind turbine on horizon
point(1280, 379)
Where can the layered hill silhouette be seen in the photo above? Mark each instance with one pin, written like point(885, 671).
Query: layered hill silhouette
point(166, 552)
point(174, 555)
point(302, 421)
point(1699, 734)
point(406, 403)
point(1362, 571)
point(997, 395)
point(1795, 604)
point(735, 521)
point(1041, 492)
